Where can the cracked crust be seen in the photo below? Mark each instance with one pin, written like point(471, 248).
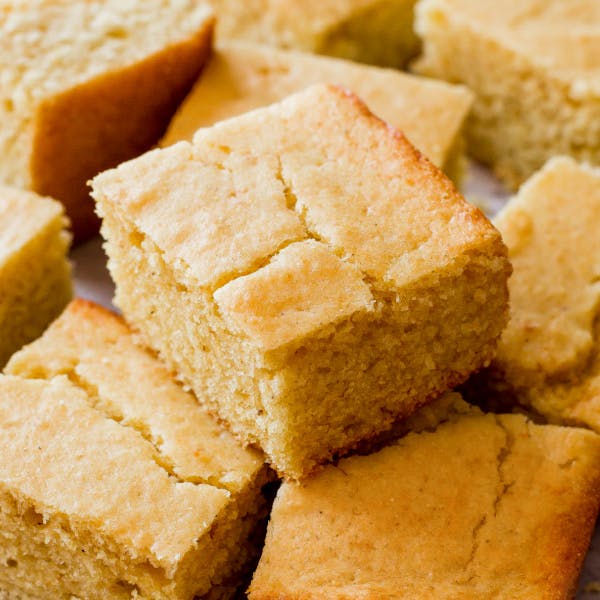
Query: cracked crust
point(484, 506)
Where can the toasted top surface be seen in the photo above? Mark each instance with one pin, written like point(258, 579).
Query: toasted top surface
point(242, 77)
point(317, 165)
point(69, 459)
point(563, 37)
point(95, 350)
point(485, 506)
point(23, 216)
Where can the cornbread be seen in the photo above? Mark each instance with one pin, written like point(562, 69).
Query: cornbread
point(35, 276)
point(484, 506)
point(548, 357)
point(534, 66)
point(85, 85)
point(298, 259)
point(242, 77)
point(372, 31)
point(143, 491)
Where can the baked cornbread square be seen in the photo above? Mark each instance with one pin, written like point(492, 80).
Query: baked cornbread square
point(135, 469)
point(372, 31)
point(298, 259)
point(484, 506)
point(242, 77)
point(534, 66)
point(35, 275)
point(548, 357)
point(87, 84)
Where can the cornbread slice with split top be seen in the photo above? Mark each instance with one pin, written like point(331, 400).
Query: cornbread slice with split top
point(87, 84)
point(534, 67)
point(298, 259)
point(152, 496)
point(372, 31)
point(35, 275)
point(477, 506)
point(242, 77)
point(548, 357)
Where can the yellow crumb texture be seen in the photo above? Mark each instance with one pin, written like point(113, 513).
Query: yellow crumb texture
point(543, 99)
point(135, 487)
point(398, 523)
point(372, 31)
point(288, 278)
point(35, 275)
point(242, 77)
point(548, 357)
point(86, 85)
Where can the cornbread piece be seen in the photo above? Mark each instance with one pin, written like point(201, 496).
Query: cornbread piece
point(85, 85)
point(298, 259)
point(484, 506)
point(534, 66)
point(35, 276)
point(242, 77)
point(372, 31)
point(548, 358)
point(129, 440)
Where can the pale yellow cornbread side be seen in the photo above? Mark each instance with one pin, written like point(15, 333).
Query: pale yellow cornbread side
point(85, 85)
point(534, 67)
point(35, 275)
point(482, 506)
point(241, 77)
point(372, 31)
point(548, 357)
point(287, 275)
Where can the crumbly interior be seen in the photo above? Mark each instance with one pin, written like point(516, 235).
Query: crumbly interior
point(544, 97)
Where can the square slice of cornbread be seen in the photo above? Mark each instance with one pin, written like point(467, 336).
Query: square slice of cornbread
point(534, 66)
point(86, 84)
point(484, 506)
point(242, 77)
point(35, 275)
point(298, 259)
point(178, 516)
point(548, 356)
point(371, 31)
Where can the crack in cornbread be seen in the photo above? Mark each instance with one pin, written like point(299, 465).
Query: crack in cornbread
point(284, 287)
point(398, 523)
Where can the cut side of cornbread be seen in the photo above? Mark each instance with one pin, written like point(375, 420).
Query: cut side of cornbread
point(548, 357)
point(534, 66)
point(85, 85)
point(243, 77)
point(297, 260)
point(483, 506)
point(372, 31)
point(35, 275)
point(185, 477)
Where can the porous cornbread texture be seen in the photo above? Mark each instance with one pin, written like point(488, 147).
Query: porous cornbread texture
point(242, 77)
point(298, 259)
point(146, 493)
point(85, 85)
point(548, 357)
point(35, 276)
point(483, 506)
point(534, 66)
point(372, 31)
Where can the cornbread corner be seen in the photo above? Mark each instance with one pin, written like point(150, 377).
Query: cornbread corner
point(371, 31)
point(534, 67)
point(242, 77)
point(298, 259)
point(548, 356)
point(88, 84)
point(138, 490)
point(35, 275)
point(484, 506)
